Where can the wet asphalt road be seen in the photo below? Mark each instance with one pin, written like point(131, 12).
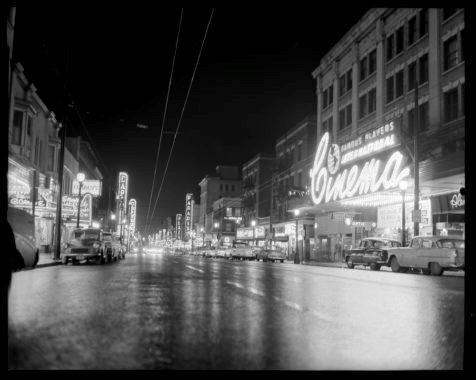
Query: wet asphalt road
point(160, 311)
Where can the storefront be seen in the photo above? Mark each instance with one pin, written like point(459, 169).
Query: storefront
point(448, 211)
point(252, 235)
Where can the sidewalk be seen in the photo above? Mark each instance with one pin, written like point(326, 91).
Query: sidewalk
point(46, 260)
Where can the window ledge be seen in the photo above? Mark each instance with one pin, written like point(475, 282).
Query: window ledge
point(453, 68)
point(453, 16)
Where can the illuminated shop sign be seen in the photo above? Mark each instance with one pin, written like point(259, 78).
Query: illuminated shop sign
point(93, 187)
point(132, 218)
point(188, 213)
point(123, 183)
point(330, 182)
point(69, 207)
point(178, 226)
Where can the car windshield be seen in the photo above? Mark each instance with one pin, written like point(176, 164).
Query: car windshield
point(450, 243)
point(386, 244)
point(107, 237)
point(90, 234)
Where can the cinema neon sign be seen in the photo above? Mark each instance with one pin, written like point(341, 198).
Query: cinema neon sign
point(329, 183)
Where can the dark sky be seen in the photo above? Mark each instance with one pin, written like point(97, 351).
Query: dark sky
point(253, 83)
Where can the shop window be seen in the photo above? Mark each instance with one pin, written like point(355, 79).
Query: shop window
point(411, 75)
point(412, 30)
point(372, 61)
point(450, 51)
point(17, 127)
point(451, 104)
point(399, 45)
point(423, 66)
point(423, 16)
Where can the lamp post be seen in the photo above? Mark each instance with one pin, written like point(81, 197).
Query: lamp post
point(403, 186)
point(80, 178)
point(203, 236)
point(253, 224)
point(296, 256)
point(113, 217)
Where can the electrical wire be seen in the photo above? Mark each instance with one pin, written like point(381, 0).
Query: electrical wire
point(181, 115)
point(163, 119)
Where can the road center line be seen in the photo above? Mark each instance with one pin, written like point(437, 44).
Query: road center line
point(193, 268)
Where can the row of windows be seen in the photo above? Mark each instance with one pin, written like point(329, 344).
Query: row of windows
point(233, 211)
point(226, 187)
point(368, 65)
point(453, 51)
point(289, 182)
point(395, 42)
point(293, 155)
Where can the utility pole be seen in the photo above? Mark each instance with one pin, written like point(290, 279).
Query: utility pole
point(60, 193)
point(416, 129)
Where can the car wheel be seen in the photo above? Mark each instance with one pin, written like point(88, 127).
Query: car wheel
point(374, 266)
point(64, 260)
point(436, 269)
point(395, 265)
point(350, 264)
point(282, 261)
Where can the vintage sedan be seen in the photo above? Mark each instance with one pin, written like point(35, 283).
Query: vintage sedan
point(87, 245)
point(113, 244)
point(243, 251)
point(271, 254)
point(430, 254)
point(372, 252)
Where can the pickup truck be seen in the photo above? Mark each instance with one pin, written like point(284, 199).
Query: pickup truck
point(430, 254)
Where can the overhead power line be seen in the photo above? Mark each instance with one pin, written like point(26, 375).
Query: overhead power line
point(163, 119)
point(181, 115)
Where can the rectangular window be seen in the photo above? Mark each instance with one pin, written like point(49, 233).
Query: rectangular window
point(448, 12)
point(233, 188)
point(237, 211)
point(342, 119)
point(390, 47)
point(324, 99)
point(37, 150)
point(400, 40)
point(299, 179)
point(221, 187)
point(462, 45)
point(423, 116)
point(17, 127)
point(412, 24)
point(349, 80)
point(342, 85)
point(423, 22)
point(50, 165)
point(372, 100)
point(372, 61)
point(450, 49)
point(299, 151)
point(389, 89)
point(451, 105)
point(411, 75)
point(229, 211)
point(331, 93)
point(348, 110)
point(363, 68)
point(399, 84)
point(423, 63)
point(362, 106)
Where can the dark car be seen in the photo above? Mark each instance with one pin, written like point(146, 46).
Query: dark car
point(88, 246)
point(371, 252)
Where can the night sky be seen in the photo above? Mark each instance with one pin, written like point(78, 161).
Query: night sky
point(253, 83)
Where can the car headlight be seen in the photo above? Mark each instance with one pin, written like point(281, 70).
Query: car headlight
point(66, 245)
point(96, 245)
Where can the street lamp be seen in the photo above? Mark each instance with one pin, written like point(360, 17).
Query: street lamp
point(403, 186)
point(296, 256)
point(80, 178)
point(203, 236)
point(216, 225)
point(112, 217)
point(253, 224)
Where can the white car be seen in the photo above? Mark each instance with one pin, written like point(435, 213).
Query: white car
point(113, 243)
point(431, 254)
point(244, 251)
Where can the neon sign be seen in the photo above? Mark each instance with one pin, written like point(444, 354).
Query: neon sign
point(133, 206)
point(188, 213)
point(358, 180)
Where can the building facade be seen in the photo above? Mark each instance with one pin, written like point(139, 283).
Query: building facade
point(226, 183)
point(257, 184)
point(366, 88)
point(227, 218)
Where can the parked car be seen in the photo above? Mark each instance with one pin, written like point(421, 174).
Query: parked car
point(179, 252)
point(243, 251)
point(431, 254)
point(371, 252)
point(22, 224)
point(89, 246)
point(271, 254)
point(211, 252)
point(223, 252)
point(113, 245)
point(200, 251)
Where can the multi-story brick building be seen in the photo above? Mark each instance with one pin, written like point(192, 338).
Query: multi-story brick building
point(367, 81)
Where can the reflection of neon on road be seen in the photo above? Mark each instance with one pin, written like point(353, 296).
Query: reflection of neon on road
point(348, 183)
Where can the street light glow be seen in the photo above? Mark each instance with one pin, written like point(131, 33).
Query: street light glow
point(253, 223)
point(216, 225)
point(403, 185)
point(113, 216)
point(296, 212)
point(80, 177)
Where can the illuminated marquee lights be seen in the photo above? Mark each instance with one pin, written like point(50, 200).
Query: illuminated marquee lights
point(371, 147)
point(358, 180)
point(133, 207)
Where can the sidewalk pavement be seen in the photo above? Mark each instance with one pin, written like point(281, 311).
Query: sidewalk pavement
point(47, 260)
